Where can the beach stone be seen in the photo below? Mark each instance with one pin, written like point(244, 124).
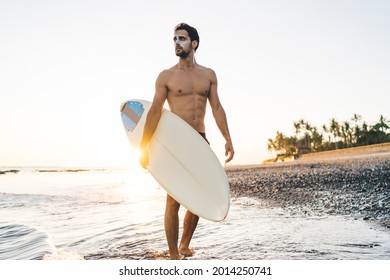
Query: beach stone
point(359, 187)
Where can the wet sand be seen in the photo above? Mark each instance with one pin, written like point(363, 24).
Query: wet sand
point(357, 185)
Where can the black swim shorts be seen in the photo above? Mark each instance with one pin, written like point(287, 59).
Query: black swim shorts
point(204, 136)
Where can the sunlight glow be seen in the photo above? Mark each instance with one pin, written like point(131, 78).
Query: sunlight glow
point(65, 71)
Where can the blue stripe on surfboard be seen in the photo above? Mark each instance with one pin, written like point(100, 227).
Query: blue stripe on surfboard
point(137, 107)
point(128, 123)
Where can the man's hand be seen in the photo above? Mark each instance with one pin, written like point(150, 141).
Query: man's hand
point(229, 152)
point(144, 158)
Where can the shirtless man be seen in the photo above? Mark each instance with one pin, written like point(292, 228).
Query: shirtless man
point(186, 86)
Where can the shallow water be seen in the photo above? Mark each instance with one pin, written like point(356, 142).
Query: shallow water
point(118, 214)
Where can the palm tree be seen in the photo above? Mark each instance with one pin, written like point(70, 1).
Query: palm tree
point(382, 124)
point(317, 139)
point(271, 145)
point(280, 142)
point(308, 134)
point(380, 128)
point(334, 128)
point(346, 133)
point(356, 130)
point(326, 133)
point(297, 126)
point(364, 139)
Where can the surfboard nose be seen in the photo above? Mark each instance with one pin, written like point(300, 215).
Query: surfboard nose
point(123, 105)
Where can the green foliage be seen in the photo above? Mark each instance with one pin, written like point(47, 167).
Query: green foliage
point(338, 135)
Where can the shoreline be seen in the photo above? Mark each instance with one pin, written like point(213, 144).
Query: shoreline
point(357, 185)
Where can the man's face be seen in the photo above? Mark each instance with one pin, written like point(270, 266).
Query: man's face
point(183, 45)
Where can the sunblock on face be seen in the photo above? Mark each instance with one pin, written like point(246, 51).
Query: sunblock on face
point(180, 40)
point(182, 43)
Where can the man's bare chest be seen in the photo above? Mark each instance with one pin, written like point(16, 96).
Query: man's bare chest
point(186, 83)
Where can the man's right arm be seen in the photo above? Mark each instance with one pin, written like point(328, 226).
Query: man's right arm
point(153, 116)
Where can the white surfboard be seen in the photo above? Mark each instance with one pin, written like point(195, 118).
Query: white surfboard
point(181, 161)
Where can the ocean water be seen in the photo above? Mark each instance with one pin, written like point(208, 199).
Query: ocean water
point(118, 214)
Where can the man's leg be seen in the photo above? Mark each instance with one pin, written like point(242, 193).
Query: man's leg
point(171, 223)
point(189, 226)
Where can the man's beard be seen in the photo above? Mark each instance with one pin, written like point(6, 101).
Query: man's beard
point(182, 54)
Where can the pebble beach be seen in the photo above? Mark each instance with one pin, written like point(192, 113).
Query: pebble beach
point(356, 185)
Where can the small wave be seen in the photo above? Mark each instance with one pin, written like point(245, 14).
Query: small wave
point(20, 242)
point(15, 200)
point(365, 245)
point(135, 255)
point(63, 255)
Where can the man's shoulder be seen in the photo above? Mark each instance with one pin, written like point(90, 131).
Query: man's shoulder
point(206, 70)
point(210, 73)
point(166, 74)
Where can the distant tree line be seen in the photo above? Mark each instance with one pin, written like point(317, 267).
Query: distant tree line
point(336, 135)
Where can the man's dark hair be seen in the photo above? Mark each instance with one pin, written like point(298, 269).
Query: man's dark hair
point(192, 32)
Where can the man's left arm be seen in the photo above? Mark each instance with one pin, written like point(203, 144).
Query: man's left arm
point(220, 116)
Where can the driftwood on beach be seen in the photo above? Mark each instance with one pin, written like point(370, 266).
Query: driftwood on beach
point(9, 171)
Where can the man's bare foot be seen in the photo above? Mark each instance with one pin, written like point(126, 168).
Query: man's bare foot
point(180, 257)
point(187, 252)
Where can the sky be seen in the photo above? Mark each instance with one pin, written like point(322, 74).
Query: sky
point(66, 66)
